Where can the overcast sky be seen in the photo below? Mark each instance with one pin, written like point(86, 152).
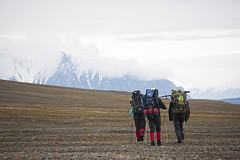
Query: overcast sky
point(194, 43)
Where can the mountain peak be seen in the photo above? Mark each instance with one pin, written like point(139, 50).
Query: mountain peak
point(68, 74)
point(66, 58)
point(22, 71)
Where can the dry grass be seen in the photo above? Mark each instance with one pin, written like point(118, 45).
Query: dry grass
point(47, 122)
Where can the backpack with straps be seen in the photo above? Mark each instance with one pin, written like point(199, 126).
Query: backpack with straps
point(137, 103)
point(151, 102)
point(180, 103)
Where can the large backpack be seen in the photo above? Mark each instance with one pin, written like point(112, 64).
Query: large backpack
point(137, 103)
point(151, 102)
point(180, 103)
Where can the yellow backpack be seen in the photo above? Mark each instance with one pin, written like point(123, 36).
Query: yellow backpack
point(180, 104)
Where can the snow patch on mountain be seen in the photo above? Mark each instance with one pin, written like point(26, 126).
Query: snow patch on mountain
point(23, 71)
point(215, 93)
point(71, 74)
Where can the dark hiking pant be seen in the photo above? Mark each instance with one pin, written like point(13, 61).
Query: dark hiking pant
point(140, 124)
point(178, 125)
point(155, 122)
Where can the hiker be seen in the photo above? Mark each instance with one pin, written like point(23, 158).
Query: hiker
point(137, 113)
point(179, 112)
point(152, 112)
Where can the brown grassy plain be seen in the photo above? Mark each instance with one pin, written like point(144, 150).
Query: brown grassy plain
point(47, 122)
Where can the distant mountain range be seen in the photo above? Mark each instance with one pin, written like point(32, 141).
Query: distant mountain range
point(215, 93)
point(232, 100)
point(69, 74)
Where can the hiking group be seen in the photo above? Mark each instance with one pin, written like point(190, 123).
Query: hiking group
point(148, 106)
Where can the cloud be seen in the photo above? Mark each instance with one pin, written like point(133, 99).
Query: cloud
point(180, 36)
point(43, 51)
point(39, 49)
point(90, 59)
point(143, 38)
point(209, 71)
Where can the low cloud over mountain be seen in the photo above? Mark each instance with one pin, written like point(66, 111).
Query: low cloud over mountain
point(70, 74)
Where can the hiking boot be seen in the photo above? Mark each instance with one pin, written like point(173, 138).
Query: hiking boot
point(141, 137)
point(182, 137)
point(138, 136)
point(152, 143)
point(138, 139)
point(159, 143)
point(179, 141)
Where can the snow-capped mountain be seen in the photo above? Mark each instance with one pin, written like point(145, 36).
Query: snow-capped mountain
point(22, 71)
point(70, 75)
point(215, 93)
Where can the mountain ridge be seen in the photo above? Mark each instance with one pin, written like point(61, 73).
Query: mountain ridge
point(232, 100)
point(215, 93)
point(69, 74)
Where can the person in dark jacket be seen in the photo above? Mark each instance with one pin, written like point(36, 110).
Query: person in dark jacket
point(140, 123)
point(178, 120)
point(155, 121)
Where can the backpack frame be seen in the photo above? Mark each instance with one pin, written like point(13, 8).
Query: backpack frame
point(180, 103)
point(151, 103)
point(137, 103)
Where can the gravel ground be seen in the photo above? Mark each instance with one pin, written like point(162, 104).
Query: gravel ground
point(66, 127)
point(41, 140)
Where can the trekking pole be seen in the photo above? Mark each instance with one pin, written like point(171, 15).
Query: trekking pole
point(131, 130)
point(146, 139)
point(165, 125)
